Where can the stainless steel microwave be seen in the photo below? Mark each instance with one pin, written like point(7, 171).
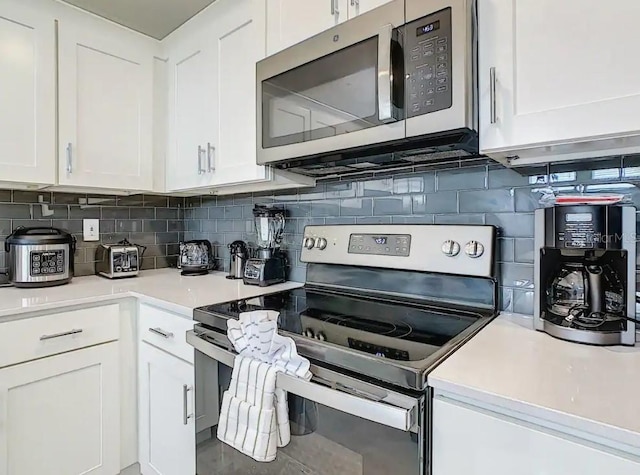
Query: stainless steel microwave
point(402, 77)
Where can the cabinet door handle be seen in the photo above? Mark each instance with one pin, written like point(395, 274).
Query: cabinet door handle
point(201, 151)
point(69, 158)
point(59, 335)
point(161, 332)
point(492, 95)
point(355, 3)
point(211, 150)
point(334, 7)
point(185, 405)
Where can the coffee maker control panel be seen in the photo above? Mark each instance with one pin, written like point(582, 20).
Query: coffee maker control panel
point(588, 227)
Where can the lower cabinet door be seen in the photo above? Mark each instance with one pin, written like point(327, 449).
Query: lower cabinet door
point(469, 441)
point(61, 415)
point(166, 411)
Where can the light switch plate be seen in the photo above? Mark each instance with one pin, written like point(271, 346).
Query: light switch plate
point(91, 229)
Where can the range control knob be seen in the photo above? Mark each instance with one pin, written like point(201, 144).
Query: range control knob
point(321, 243)
point(309, 333)
point(450, 248)
point(309, 243)
point(321, 336)
point(474, 249)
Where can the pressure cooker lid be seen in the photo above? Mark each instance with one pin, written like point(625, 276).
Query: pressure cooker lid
point(39, 235)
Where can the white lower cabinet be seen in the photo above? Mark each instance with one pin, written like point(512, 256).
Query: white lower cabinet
point(61, 415)
point(166, 413)
point(468, 440)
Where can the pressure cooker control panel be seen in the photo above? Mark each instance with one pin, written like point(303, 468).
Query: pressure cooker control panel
point(45, 263)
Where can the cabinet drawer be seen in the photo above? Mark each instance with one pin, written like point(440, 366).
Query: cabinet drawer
point(166, 331)
point(32, 338)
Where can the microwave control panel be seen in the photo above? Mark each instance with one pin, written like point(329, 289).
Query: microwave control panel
point(428, 63)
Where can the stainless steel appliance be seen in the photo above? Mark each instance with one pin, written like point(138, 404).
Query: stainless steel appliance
point(116, 261)
point(400, 77)
point(382, 305)
point(40, 256)
point(585, 273)
point(268, 266)
point(196, 257)
point(239, 255)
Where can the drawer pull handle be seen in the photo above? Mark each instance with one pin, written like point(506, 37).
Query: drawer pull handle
point(161, 332)
point(58, 335)
point(185, 405)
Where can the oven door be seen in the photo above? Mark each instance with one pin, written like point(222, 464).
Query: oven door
point(339, 425)
point(341, 89)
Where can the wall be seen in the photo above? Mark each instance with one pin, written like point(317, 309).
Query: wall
point(153, 221)
point(483, 193)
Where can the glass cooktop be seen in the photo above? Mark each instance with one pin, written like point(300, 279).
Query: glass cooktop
point(380, 328)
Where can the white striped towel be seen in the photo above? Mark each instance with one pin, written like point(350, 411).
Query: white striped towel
point(254, 417)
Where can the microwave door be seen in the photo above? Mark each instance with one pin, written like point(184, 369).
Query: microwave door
point(341, 89)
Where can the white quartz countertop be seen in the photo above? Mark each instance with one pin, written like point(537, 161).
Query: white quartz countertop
point(588, 388)
point(163, 287)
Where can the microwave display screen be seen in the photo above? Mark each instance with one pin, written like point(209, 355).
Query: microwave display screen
point(428, 28)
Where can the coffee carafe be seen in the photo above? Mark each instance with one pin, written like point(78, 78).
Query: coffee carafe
point(239, 256)
point(585, 273)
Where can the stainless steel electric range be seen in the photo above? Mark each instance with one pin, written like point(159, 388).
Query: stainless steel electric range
point(382, 305)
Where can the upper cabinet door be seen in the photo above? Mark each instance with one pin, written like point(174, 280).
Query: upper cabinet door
point(549, 75)
point(105, 105)
point(291, 21)
point(27, 94)
point(357, 7)
point(239, 34)
point(192, 111)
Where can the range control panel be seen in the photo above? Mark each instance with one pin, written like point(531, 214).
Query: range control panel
point(47, 263)
point(380, 244)
point(428, 63)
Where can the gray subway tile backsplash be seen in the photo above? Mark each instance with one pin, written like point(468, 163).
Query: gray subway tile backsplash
point(131, 217)
point(477, 194)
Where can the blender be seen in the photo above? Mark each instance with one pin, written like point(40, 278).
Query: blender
point(268, 266)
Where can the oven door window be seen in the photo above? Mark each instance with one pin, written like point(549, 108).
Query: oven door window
point(323, 441)
point(334, 95)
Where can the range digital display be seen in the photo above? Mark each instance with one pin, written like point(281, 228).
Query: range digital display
point(428, 28)
point(380, 239)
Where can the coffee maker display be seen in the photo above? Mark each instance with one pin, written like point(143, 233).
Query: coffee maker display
point(239, 255)
point(268, 266)
point(585, 273)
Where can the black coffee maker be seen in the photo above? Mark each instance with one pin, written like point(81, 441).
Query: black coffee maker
point(585, 275)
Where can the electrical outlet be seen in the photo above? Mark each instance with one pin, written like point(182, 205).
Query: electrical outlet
point(91, 229)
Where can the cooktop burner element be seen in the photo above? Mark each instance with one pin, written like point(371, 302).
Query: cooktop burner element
point(390, 320)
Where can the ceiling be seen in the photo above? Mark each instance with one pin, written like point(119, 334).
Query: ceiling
point(155, 18)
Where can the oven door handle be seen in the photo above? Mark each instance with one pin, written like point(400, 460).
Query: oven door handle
point(385, 75)
point(402, 418)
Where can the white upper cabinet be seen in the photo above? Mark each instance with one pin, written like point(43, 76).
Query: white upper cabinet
point(212, 101)
point(291, 21)
point(27, 94)
point(358, 7)
point(105, 105)
point(192, 110)
point(239, 36)
point(558, 79)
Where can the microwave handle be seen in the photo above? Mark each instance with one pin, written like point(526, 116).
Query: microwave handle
point(385, 75)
